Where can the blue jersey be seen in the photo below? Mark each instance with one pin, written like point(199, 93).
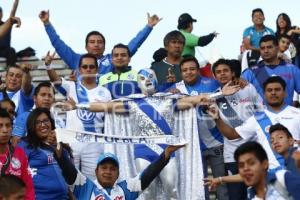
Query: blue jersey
point(280, 185)
point(23, 102)
point(48, 180)
point(84, 188)
point(72, 58)
point(210, 136)
point(260, 73)
point(255, 36)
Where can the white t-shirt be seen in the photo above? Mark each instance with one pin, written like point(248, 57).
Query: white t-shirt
point(251, 129)
point(244, 104)
point(82, 119)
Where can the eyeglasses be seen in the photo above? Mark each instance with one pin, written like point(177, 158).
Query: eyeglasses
point(45, 122)
point(88, 66)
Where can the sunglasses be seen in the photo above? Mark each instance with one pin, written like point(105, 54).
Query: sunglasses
point(88, 66)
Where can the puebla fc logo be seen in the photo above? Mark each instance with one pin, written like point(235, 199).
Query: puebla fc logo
point(85, 115)
point(15, 163)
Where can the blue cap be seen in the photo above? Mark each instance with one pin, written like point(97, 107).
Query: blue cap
point(107, 156)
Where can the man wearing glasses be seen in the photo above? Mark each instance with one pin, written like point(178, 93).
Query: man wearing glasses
point(84, 90)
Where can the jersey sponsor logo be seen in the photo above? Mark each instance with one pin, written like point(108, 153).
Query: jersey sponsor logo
point(224, 106)
point(105, 62)
point(15, 163)
point(33, 171)
point(100, 197)
point(108, 78)
point(85, 115)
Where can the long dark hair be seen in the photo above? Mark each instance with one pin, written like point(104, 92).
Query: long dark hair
point(287, 19)
point(32, 138)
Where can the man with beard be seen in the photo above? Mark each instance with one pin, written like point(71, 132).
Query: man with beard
point(257, 127)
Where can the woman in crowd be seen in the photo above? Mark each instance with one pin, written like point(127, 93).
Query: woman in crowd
point(284, 27)
point(47, 176)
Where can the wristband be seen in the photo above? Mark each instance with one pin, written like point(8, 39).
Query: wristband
point(216, 95)
point(48, 67)
point(81, 106)
point(220, 179)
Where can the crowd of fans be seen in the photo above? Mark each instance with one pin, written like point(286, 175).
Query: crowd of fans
point(247, 116)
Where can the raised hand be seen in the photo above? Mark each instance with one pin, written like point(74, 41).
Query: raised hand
point(26, 67)
point(212, 183)
point(15, 20)
point(171, 76)
point(153, 20)
point(44, 16)
point(230, 89)
point(49, 58)
point(213, 111)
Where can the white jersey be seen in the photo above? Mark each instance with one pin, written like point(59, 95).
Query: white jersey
point(252, 128)
point(234, 110)
point(82, 119)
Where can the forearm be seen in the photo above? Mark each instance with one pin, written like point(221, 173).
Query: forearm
point(188, 102)
point(205, 40)
point(116, 107)
point(153, 170)
point(4, 28)
point(139, 39)
point(14, 8)
point(26, 83)
point(232, 179)
point(54, 77)
point(68, 169)
point(226, 130)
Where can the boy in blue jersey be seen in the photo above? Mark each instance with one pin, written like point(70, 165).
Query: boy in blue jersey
point(273, 66)
point(106, 187)
point(253, 166)
point(94, 44)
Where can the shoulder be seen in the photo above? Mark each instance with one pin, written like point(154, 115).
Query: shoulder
point(248, 30)
point(293, 110)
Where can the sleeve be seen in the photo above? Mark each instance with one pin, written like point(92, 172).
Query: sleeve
point(139, 39)
point(26, 177)
point(63, 50)
point(191, 40)
point(248, 75)
point(66, 86)
point(292, 183)
point(19, 128)
point(153, 170)
point(205, 40)
point(83, 187)
point(296, 75)
point(27, 100)
point(246, 33)
point(248, 129)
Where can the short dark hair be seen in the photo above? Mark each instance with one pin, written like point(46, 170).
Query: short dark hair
point(32, 138)
point(284, 36)
point(188, 59)
point(9, 101)
point(13, 66)
point(10, 184)
point(275, 79)
point(221, 61)
point(257, 10)
point(268, 38)
point(122, 46)
point(94, 33)
point(173, 35)
point(280, 127)
point(88, 55)
point(43, 84)
point(5, 114)
point(251, 147)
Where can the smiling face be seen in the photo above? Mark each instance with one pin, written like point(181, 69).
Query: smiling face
point(107, 173)
point(281, 22)
point(120, 57)
point(43, 127)
point(281, 142)
point(147, 81)
point(252, 171)
point(258, 18)
point(189, 72)
point(13, 79)
point(283, 44)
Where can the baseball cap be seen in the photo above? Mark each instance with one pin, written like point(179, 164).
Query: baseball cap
point(107, 156)
point(185, 18)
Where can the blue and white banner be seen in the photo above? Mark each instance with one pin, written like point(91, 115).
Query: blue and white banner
point(73, 136)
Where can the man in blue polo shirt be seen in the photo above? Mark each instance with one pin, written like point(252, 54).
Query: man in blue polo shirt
point(273, 66)
point(94, 44)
